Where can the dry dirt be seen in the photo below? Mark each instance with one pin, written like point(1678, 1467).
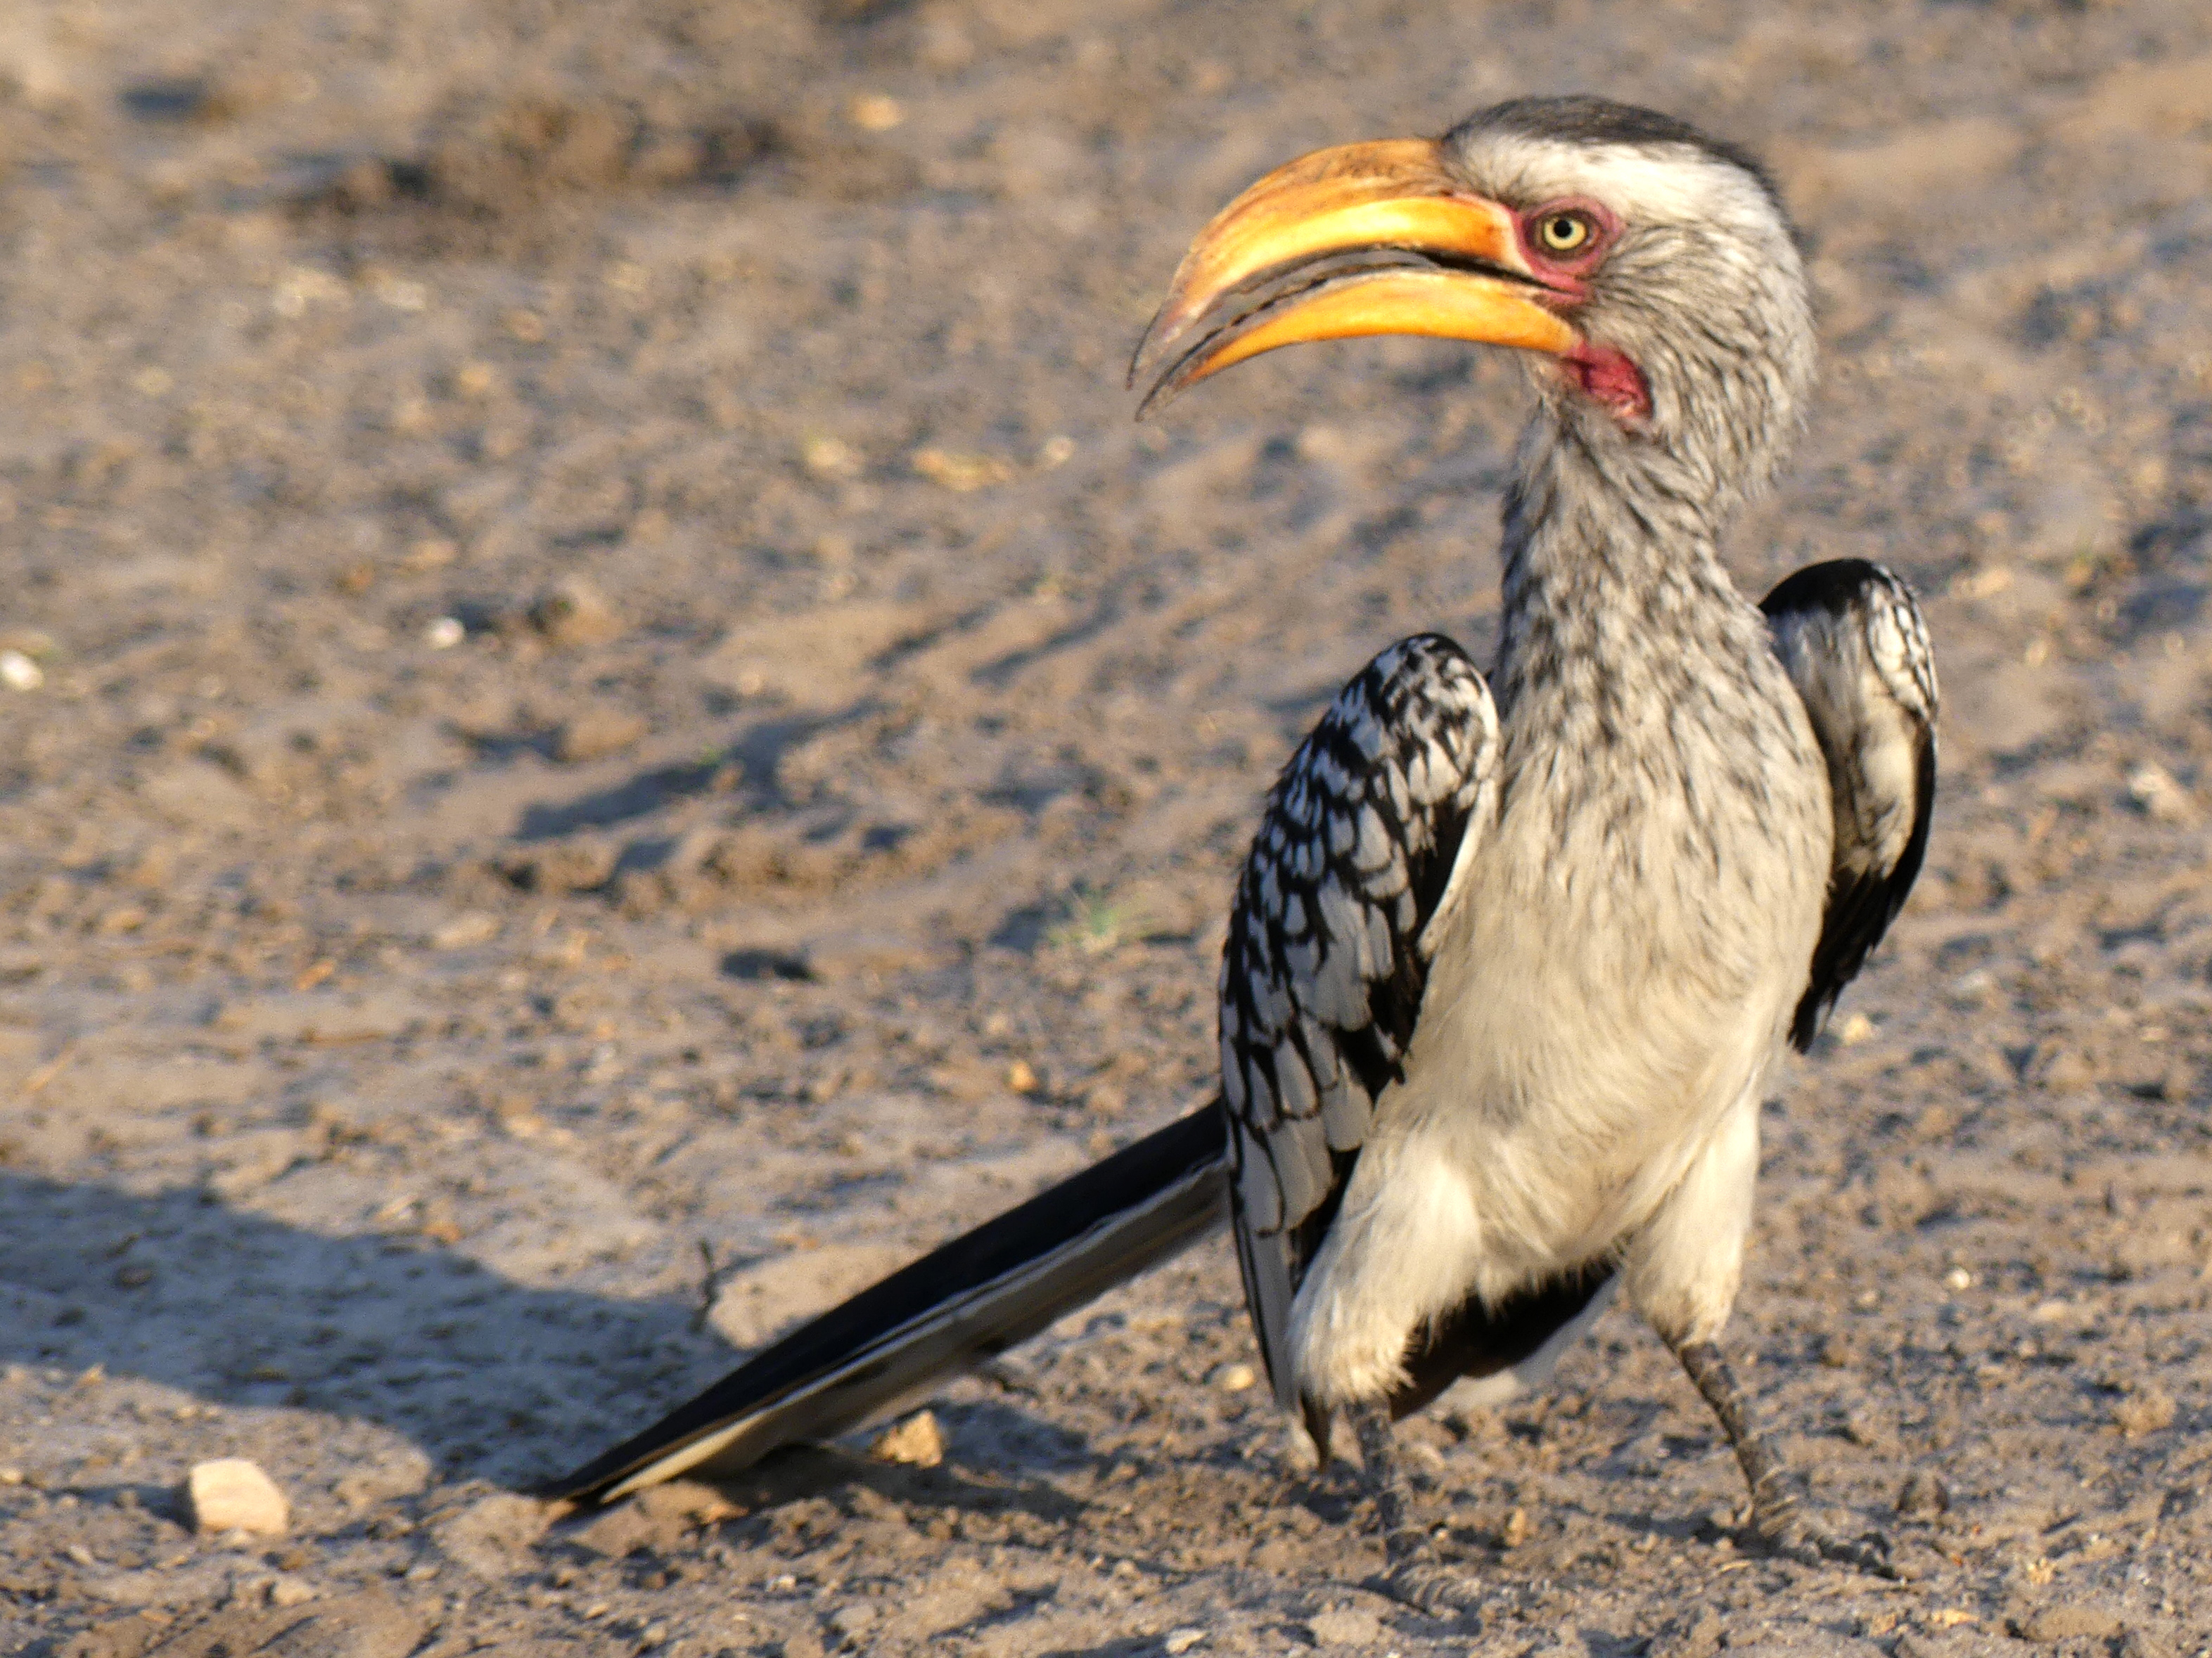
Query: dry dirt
point(613, 676)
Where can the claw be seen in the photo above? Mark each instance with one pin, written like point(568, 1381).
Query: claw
point(1781, 1531)
point(1431, 1586)
point(1412, 1573)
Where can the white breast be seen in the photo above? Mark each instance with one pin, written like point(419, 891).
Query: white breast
point(1609, 986)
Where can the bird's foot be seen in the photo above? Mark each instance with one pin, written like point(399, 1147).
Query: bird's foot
point(1781, 1529)
point(1426, 1583)
point(1776, 1522)
point(1413, 1573)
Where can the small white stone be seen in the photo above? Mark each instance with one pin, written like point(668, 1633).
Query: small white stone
point(1180, 1641)
point(19, 673)
point(2155, 790)
point(231, 1494)
point(444, 633)
point(875, 112)
point(917, 1441)
point(471, 926)
point(1235, 1378)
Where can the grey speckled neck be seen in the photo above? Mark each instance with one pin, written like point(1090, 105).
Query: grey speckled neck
point(1614, 583)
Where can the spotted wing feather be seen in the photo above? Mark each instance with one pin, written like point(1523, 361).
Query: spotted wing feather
point(1852, 640)
point(1322, 975)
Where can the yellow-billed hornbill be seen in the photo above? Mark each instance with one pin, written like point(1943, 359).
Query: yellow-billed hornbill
point(1512, 964)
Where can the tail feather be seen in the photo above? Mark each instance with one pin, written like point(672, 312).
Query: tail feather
point(974, 1298)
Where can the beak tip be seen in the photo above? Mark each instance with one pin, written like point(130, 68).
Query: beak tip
point(1148, 342)
point(1168, 385)
point(1146, 353)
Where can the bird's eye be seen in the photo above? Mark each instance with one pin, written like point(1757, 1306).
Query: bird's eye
point(1565, 232)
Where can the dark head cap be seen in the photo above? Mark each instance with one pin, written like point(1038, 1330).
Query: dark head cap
point(1580, 118)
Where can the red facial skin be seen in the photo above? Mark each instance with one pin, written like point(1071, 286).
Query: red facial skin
point(1610, 377)
point(1600, 371)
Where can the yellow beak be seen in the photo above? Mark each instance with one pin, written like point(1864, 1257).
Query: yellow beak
point(1361, 238)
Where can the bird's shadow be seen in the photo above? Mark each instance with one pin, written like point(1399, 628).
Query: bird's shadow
point(804, 1471)
point(489, 1378)
point(755, 752)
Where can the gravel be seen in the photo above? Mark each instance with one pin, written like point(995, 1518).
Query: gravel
point(394, 393)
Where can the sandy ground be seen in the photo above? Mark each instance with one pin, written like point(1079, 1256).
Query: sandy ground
point(614, 678)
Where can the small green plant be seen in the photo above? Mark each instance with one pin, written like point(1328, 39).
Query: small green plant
point(1094, 923)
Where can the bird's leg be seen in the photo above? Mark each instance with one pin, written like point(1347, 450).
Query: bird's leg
point(1413, 1573)
point(1776, 1519)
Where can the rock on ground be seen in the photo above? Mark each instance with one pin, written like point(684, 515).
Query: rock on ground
point(231, 1494)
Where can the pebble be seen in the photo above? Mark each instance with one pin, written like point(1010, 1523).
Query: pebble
point(1923, 1494)
point(571, 866)
point(231, 1494)
point(832, 458)
point(1235, 1378)
point(595, 733)
point(19, 673)
point(2061, 1068)
point(2143, 1411)
point(2070, 1621)
point(2160, 795)
point(1346, 1627)
point(1180, 1640)
point(572, 611)
point(471, 926)
point(918, 1441)
point(875, 112)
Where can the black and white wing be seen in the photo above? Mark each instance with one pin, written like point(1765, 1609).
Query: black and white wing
point(1358, 853)
point(1853, 643)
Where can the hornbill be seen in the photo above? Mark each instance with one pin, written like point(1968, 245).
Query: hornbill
point(1512, 961)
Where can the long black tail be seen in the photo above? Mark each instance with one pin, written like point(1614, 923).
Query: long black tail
point(975, 1297)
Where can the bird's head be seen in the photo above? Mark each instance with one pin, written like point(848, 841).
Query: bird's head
point(1650, 271)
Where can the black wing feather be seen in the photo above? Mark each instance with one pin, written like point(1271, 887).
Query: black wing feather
point(966, 1301)
point(1323, 973)
point(1854, 644)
